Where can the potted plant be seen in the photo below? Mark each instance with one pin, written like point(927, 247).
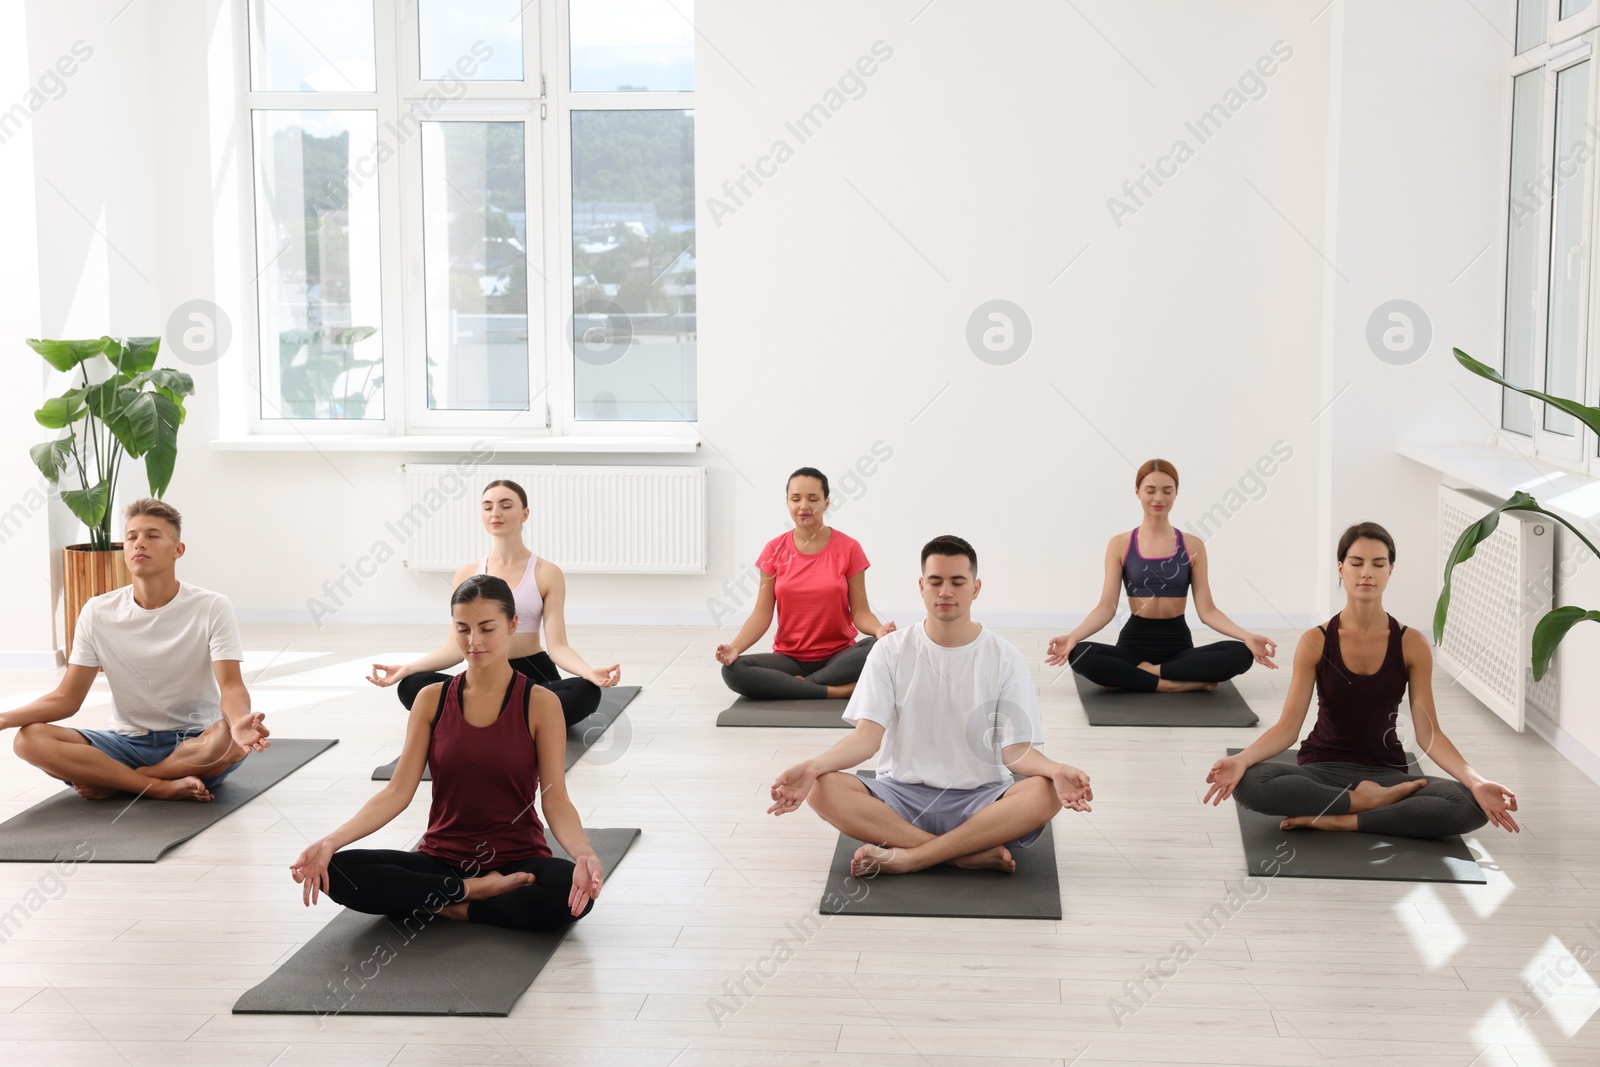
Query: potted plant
point(120, 405)
point(1549, 630)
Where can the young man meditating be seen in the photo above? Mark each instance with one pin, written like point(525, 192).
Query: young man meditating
point(952, 708)
point(180, 717)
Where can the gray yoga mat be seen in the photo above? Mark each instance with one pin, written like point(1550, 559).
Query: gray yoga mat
point(370, 965)
point(580, 735)
point(797, 713)
point(124, 830)
point(1222, 706)
point(1032, 891)
point(1271, 852)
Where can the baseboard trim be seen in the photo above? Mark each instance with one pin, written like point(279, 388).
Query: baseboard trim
point(1575, 752)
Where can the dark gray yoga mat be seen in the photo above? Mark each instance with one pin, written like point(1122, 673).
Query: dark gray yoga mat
point(370, 965)
point(1033, 891)
point(1222, 706)
point(580, 735)
point(1271, 852)
point(123, 830)
point(796, 713)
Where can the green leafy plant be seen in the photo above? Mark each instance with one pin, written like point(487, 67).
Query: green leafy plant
point(312, 363)
point(122, 405)
point(1550, 629)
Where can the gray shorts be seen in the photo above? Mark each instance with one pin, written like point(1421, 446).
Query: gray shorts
point(938, 810)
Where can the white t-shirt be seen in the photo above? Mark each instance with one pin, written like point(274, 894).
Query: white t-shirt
point(158, 662)
point(946, 712)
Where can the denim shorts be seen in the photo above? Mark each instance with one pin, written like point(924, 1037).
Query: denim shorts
point(938, 810)
point(143, 750)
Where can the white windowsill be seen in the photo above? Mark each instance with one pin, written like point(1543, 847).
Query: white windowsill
point(453, 443)
point(1499, 471)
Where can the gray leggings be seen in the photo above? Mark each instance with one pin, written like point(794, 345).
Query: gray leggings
point(769, 676)
point(1442, 807)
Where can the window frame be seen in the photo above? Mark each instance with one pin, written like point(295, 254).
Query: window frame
point(543, 98)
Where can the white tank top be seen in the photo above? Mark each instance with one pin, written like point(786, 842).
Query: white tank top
point(530, 604)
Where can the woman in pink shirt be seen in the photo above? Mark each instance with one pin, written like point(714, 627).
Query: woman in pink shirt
point(816, 579)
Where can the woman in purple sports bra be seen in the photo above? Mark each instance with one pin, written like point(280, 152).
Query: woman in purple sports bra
point(540, 590)
point(1352, 773)
point(1158, 567)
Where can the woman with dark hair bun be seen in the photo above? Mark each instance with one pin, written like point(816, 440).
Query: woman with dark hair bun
point(1351, 772)
point(814, 577)
point(540, 592)
point(495, 743)
point(1158, 567)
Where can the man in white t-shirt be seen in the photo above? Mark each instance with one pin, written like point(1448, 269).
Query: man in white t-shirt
point(180, 719)
point(952, 708)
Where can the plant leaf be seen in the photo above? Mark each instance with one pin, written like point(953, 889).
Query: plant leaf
point(1585, 414)
point(133, 355)
point(174, 383)
point(89, 505)
point(64, 355)
point(1551, 629)
point(58, 413)
point(351, 334)
point(52, 457)
point(162, 455)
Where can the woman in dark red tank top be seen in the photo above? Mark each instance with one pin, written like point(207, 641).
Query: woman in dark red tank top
point(1351, 772)
point(490, 736)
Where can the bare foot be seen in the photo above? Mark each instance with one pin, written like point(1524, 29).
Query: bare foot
point(839, 692)
point(1167, 685)
point(993, 859)
point(1319, 822)
point(492, 885)
point(871, 860)
point(1150, 668)
point(1368, 795)
point(92, 792)
point(178, 789)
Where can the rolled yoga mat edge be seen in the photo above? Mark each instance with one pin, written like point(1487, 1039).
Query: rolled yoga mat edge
point(1222, 706)
point(368, 965)
point(581, 735)
point(800, 714)
point(1352, 855)
point(121, 830)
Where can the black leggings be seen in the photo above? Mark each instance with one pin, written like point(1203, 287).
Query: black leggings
point(1162, 641)
point(412, 885)
point(1442, 807)
point(769, 676)
point(579, 697)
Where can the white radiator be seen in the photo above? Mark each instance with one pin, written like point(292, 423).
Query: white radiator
point(586, 520)
point(1496, 599)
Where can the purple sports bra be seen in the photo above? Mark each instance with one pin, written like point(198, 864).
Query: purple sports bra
point(1167, 576)
point(530, 604)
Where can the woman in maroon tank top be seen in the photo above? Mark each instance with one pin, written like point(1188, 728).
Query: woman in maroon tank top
point(1351, 772)
point(490, 736)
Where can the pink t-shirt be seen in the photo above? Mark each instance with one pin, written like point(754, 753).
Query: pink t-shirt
point(813, 595)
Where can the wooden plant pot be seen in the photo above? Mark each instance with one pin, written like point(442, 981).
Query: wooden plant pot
point(88, 572)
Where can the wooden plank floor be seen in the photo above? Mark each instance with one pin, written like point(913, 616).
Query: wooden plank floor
point(140, 964)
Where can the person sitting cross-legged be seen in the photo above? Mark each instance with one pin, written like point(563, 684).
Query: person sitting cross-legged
point(949, 708)
point(180, 716)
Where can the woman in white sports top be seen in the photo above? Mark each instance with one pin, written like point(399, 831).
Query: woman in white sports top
point(541, 592)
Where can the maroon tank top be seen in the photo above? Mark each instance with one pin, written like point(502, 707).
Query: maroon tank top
point(1356, 712)
point(485, 779)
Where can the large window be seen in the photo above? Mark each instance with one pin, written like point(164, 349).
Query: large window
point(1548, 330)
point(471, 215)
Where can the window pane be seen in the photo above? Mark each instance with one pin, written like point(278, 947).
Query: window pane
point(632, 45)
point(1528, 195)
point(475, 40)
point(1530, 23)
point(317, 257)
point(633, 267)
point(475, 265)
point(322, 46)
point(1572, 7)
point(1569, 255)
